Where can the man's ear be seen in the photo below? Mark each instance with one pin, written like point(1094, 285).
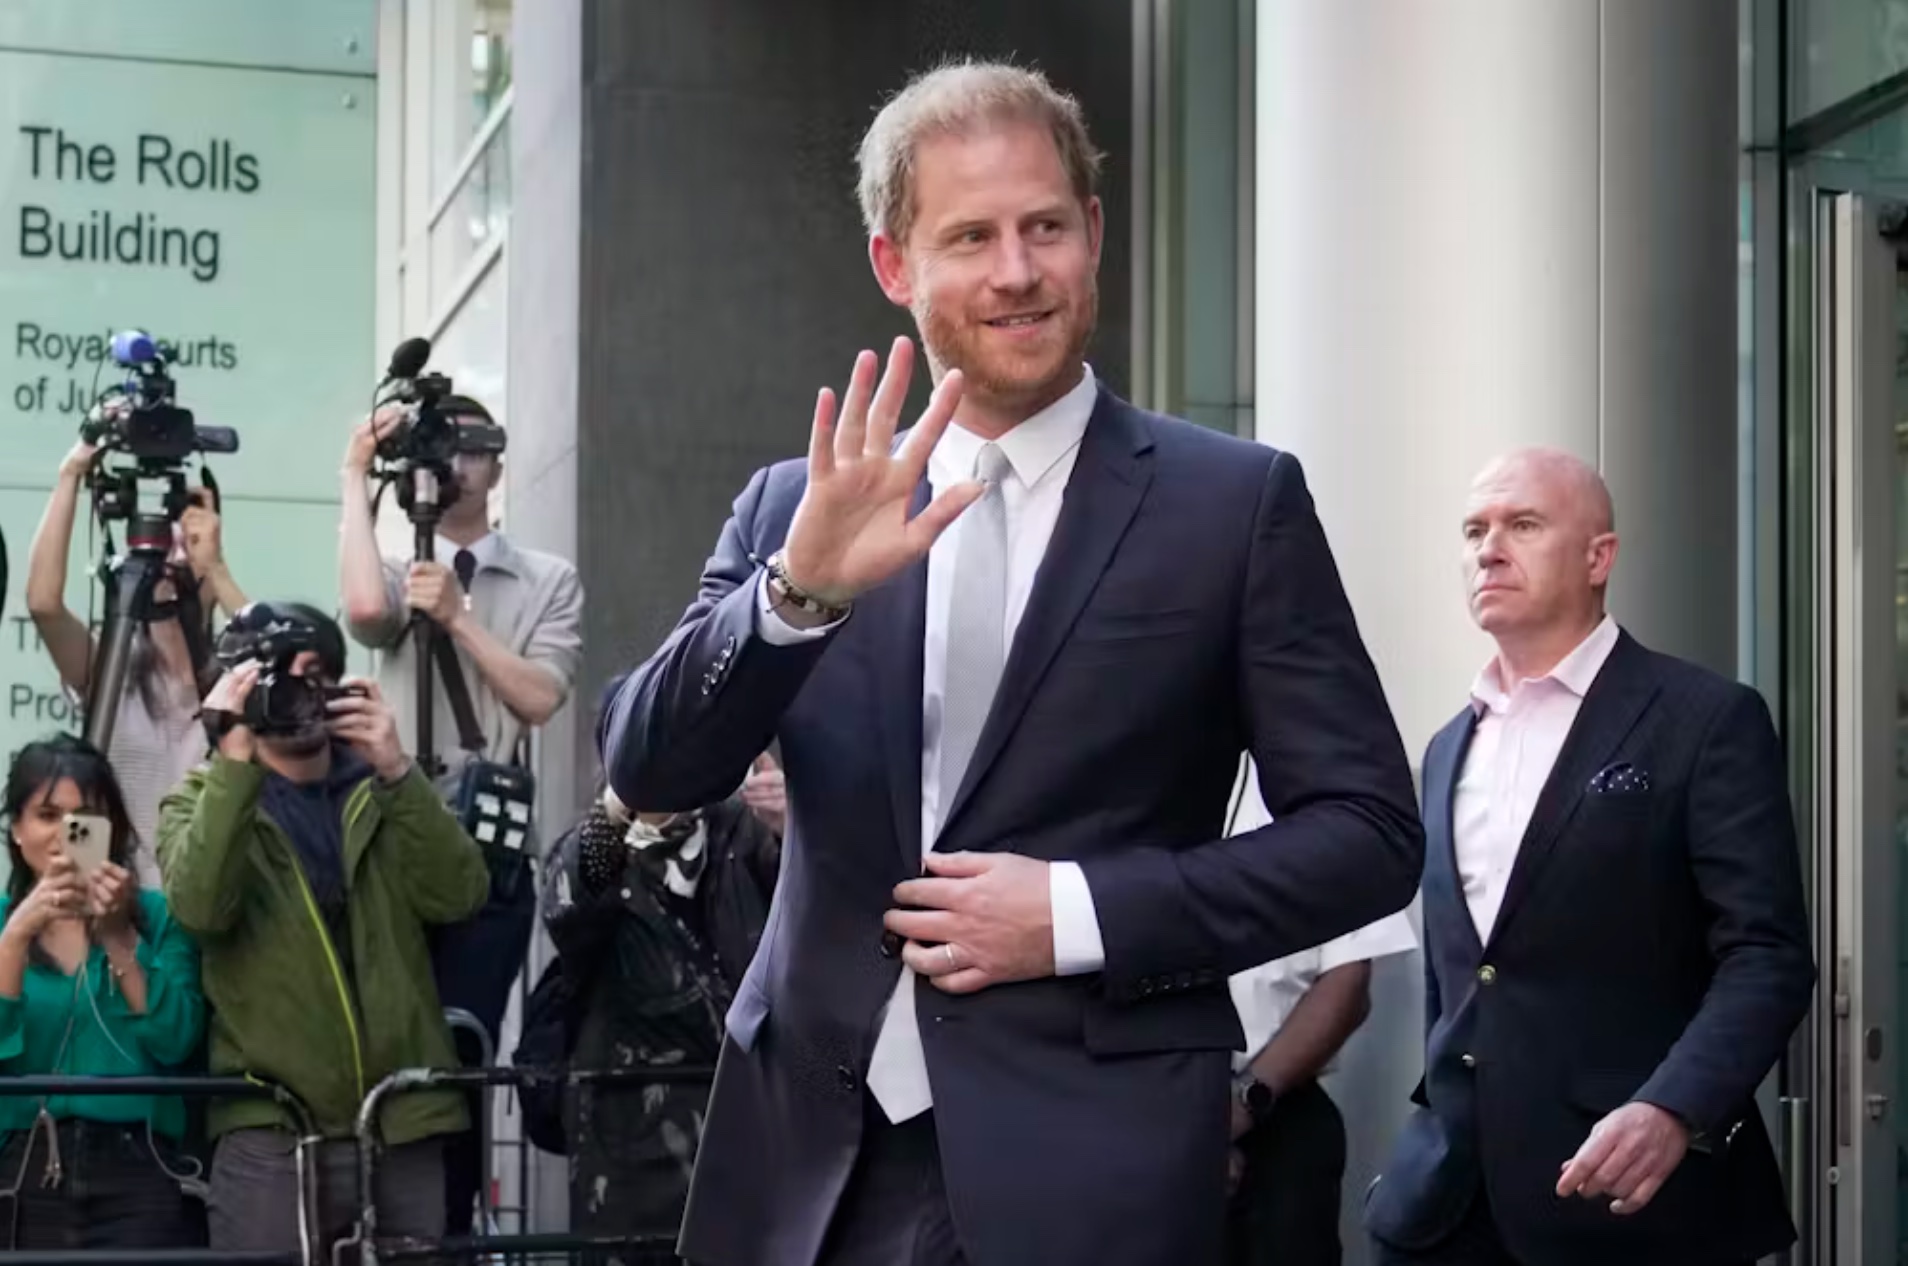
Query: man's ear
point(890, 262)
point(1603, 555)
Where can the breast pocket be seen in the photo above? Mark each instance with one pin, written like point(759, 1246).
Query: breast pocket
point(1128, 626)
point(1617, 812)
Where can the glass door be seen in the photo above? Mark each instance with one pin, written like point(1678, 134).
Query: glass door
point(1847, 1131)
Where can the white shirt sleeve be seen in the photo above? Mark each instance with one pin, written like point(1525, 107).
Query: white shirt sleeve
point(1392, 934)
point(773, 629)
point(1077, 945)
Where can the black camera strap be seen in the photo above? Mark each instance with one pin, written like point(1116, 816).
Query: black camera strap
point(194, 623)
point(469, 735)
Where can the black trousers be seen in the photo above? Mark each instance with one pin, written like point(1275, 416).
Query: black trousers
point(1285, 1209)
point(1476, 1242)
point(894, 1210)
point(108, 1191)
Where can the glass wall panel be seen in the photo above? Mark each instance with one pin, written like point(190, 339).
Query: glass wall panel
point(472, 349)
point(1200, 360)
point(470, 72)
point(1872, 162)
point(476, 214)
point(1839, 47)
point(207, 176)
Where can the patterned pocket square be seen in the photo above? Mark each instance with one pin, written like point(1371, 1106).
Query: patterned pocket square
point(1620, 779)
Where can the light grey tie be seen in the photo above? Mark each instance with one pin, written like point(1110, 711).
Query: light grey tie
point(976, 625)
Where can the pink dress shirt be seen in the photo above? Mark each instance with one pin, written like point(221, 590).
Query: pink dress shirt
point(1519, 733)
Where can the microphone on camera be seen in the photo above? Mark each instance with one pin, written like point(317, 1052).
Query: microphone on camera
point(408, 360)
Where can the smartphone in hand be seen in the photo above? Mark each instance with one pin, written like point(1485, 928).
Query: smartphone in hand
point(89, 840)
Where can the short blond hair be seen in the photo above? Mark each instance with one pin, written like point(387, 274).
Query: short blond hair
point(957, 99)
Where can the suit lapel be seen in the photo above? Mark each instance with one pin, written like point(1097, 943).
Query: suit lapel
point(1443, 766)
point(898, 610)
point(1616, 699)
point(1110, 478)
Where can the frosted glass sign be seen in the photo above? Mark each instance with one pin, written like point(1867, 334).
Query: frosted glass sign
point(208, 178)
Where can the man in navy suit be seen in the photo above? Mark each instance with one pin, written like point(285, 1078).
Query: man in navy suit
point(1022, 652)
point(1616, 946)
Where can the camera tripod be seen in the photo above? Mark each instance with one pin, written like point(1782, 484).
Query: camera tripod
point(422, 497)
point(130, 581)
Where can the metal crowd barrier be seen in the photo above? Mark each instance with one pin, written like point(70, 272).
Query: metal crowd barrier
point(203, 1087)
point(655, 1249)
point(457, 1018)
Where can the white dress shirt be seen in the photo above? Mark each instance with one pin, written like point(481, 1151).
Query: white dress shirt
point(1264, 996)
point(1520, 730)
point(1042, 451)
point(485, 549)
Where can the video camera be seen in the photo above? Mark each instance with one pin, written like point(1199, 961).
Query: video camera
point(275, 634)
point(430, 436)
point(140, 418)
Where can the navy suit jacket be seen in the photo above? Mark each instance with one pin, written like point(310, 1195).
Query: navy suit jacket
point(1187, 609)
point(1652, 945)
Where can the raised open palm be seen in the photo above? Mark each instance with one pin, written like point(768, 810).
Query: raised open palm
point(852, 529)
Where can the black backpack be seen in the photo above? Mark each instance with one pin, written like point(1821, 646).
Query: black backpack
point(551, 1019)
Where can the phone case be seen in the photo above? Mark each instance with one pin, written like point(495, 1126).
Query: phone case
point(88, 840)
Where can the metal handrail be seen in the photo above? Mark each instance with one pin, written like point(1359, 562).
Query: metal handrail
point(151, 1257)
point(92, 1084)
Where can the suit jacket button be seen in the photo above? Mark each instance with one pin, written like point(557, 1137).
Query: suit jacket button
point(1487, 974)
point(1470, 1060)
point(1185, 981)
point(890, 944)
point(849, 1082)
point(1146, 988)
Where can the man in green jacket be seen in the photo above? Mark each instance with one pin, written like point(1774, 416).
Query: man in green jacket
point(307, 857)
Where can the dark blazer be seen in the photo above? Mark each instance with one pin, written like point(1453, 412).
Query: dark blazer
point(1652, 945)
point(1187, 608)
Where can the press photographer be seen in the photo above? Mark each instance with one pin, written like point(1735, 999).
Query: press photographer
point(130, 461)
point(308, 857)
point(468, 619)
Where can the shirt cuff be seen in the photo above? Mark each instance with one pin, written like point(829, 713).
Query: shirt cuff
point(1077, 947)
point(773, 629)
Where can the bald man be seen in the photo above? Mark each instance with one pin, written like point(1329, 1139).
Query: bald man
point(1616, 947)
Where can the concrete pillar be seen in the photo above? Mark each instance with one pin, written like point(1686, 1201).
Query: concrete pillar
point(543, 381)
point(1485, 224)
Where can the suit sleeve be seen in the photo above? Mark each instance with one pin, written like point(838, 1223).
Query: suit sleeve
point(1344, 847)
point(1743, 854)
point(1433, 995)
point(681, 731)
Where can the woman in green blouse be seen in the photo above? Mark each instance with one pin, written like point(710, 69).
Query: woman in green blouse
point(95, 980)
